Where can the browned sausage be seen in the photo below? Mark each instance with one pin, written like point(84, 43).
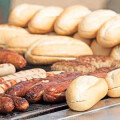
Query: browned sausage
point(6, 104)
point(56, 93)
point(102, 72)
point(14, 58)
point(20, 104)
point(36, 92)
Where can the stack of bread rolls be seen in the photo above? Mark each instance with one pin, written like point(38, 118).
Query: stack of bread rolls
point(64, 34)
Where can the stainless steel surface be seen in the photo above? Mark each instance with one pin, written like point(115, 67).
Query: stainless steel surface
point(107, 109)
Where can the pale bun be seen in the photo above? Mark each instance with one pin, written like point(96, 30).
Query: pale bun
point(113, 81)
point(21, 15)
point(7, 31)
point(68, 20)
point(44, 20)
point(116, 52)
point(90, 24)
point(109, 34)
point(20, 43)
point(87, 41)
point(50, 49)
point(99, 50)
point(85, 91)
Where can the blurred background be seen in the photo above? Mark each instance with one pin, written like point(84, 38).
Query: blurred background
point(7, 5)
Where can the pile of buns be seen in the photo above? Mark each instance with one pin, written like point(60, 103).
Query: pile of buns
point(49, 34)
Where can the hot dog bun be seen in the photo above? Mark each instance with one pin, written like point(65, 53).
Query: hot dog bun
point(50, 49)
point(22, 14)
point(99, 50)
point(85, 91)
point(90, 24)
point(68, 20)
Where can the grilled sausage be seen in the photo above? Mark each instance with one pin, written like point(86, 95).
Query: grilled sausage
point(6, 104)
point(25, 75)
point(56, 93)
point(21, 88)
point(36, 92)
point(20, 104)
point(6, 69)
point(11, 80)
point(14, 58)
point(102, 72)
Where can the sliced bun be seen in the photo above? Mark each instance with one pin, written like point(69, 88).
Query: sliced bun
point(67, 22)
point(50, 49)
point(99, 50)
point(21, 15)
point(43, 21)
point(113, 81)
point(85, 91)
point(87, 41)
point(109, 34)
point(90, 24)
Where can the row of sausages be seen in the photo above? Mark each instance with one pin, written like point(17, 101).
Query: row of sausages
point(50, 89)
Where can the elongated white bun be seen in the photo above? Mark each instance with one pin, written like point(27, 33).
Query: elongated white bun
point(113, 81)
point(87, 41)
point(68, 20)
point(90, 24)
point(43, 21)
point(85, 91)
point(20, 43)
point(7, 31)
point(109, 34)
point(115, 53)
point(22, 14)
point(50, 49)
point(99, 50)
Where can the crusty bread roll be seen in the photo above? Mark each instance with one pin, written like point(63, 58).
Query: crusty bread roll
point(113, 81)
point(85, 91)
point(20, 43)
point(99, 50)
point(67, 22)
point(43, 21)
point(50, 49)
point(89, 26)
point(115, 53)
point(87, 41)
point(7, 31)
point(109, 33)
point(21, 15)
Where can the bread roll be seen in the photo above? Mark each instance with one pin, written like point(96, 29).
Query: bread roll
point(116, 52)
point(99, 50)
point(43, 21)
point(20, 43)
point(87, 41)
point(85, 91)
point(21, 15)
point(67, 22)
point(89, 26)
point(50, 49)
point(109, 34)
point(7, 31)
point(113, 81)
